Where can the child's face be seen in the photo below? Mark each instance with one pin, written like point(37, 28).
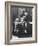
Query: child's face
point(26, 13)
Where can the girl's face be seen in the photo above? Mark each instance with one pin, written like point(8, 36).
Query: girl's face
point(26, 13)
point(17, 20)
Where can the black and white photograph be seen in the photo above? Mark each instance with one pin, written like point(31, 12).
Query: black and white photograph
point(21, 22)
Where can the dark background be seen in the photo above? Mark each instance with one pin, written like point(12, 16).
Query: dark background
point(14, 14)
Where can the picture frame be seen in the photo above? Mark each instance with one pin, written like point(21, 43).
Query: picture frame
point(31, 8)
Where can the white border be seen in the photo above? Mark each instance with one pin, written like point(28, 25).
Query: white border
point(33, 28)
